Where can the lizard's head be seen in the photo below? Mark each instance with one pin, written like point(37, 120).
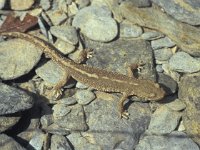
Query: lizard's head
point(150, 90)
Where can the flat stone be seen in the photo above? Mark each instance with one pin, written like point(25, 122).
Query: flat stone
point(37, 141)
point(45, 4)
point(81, 86)
point(176, 105)
point(46, 120)
point(57, 16)
point(174, 141)
point(163, 54)
point(169, 85)
point(60, 110)
point(74, 121)
point(103, 116)
point(84, 97)
point(60, 142)
point(13, 100)
point(163, 121)
point(17, 57)
point(83, 3)
point(2, 3)
point(162, 42)
point(65, 33)
point(189, 93)
point(7, 122)
point(153, 35)
point(64, 47)
point(183, 62)
point(185, 11)
point(21, 4)
point(67, 101)
point(159, 68)
point(9, 143)
point(129, 30)
point(96, 23)
point(81, 143)
point(72, 9)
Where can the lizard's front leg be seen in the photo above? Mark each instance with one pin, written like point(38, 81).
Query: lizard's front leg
point(132, 67)
point(122, 112)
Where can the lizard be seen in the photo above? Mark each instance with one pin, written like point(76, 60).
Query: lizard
point(96, 78)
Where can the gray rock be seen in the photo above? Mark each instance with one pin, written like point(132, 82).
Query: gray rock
point(46, 120)
point(152, 35)
point(163, 121)
point(74, 121)
point(189, 93)
point(37, 141)
point(7, 122)
point(17, 57)
point(9, 143)
point(162, 42)
point(55, 129)
point(56, 16)
point(79, 142)
point(163, 54)
point(141, 3)
point(103, 116)
point(96, 23)
point(65, 33)
point(59, 142)
point(67, 101)
point(13, 100)
point(183, 62)
point(184, 11)
point(176, 105)
point(81, 86)
point(129, 51)
point(83, 3)
point(174, 141)
point(60, 110)
point(84, 97)
point(2, 3)
point(169, 85)
point(64, 47)
point(159, 68)
point(21, 4)
point(45, 4)
point(129, 30)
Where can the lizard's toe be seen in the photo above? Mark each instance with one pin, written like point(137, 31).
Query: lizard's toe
point(56, 93)
point(124, 115)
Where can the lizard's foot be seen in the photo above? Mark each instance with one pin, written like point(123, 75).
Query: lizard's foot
point(56, 93)
point(124, 115)
point(89, 53)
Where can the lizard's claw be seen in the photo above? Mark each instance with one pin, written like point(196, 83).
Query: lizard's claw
point(56, 93)
point(89, 52)
point(124, 115)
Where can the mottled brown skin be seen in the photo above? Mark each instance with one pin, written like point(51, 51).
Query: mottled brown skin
point(97, 78)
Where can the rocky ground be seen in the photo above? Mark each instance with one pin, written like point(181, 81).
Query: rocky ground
point(165, 35)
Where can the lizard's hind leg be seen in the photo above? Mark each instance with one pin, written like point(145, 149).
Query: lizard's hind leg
point(122, 112)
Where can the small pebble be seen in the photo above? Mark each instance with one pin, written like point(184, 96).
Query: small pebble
point(73, 9)
point(183, 62)
point(161, 43)
point(176, 105)
point(163, 54)
point(57, 17)
point(83, 3)
point(45, 4)
point(60, 142)
point(60, 110)
point(159, 68)
point(67, 101)
point(81, 85)
point(151, 35)
point(37, 141)
point(84, 97)
point(64, 47)
point(21, 4)
point(65, 33)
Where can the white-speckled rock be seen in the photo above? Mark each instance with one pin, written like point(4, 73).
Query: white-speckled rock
point(183, 62)
point(96, 23)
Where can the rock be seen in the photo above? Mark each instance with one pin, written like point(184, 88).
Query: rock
point(78, 56)
point(128, 30)
point(174, 141)
point(21, 4)
point(96, 23)
point(2, 3)
point(45, 4)
point(67, 101)
point(175, 30)
point(141, 3)
point(163, 42)
point(9, 143)
point(17, 57)
point(169, 85)
point(153, 35)
point(81, 86)
point(37, 141)
point(159, 68)
point(64, 47)
point(72, 9)
point(83, 3)
point(60, 110)
point(65, 33)
point(60, 142)
point(183, 62)
point(55, 129)
point(163, 121)
point(81, 143)
point(13, 100)
point(84, 97)
point(57, 17)
point(103, 116)
point(176, 105)
point(7, 122)
point(129, 51)
point(173, 74)
point(73, 121)
point(189, 92)
point(163, 54)
point(184, 11)
point(46, 120)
